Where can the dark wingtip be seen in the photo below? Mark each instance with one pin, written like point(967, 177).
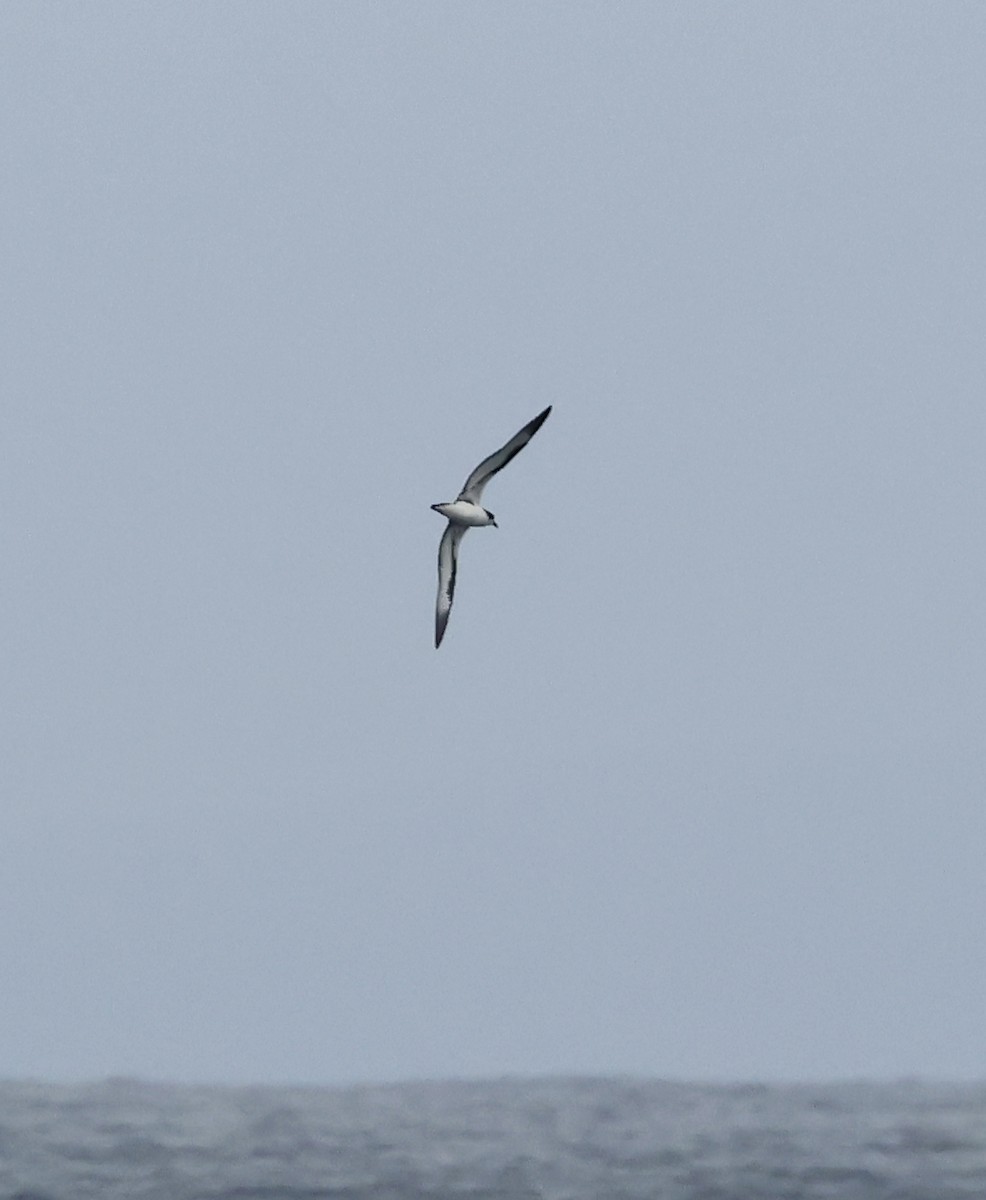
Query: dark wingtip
point(532, 427)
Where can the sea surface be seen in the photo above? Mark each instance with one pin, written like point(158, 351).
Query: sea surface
point(510, 1139)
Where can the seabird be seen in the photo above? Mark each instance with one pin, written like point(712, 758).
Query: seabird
point(466, 512)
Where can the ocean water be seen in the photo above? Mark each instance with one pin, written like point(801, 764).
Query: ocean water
point(511, 1139)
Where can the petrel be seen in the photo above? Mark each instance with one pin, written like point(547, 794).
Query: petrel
point(466, 511)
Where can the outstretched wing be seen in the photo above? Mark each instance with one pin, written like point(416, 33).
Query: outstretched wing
point(448, 552)
point(474, 485)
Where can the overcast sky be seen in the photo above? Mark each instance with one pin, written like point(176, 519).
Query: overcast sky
point(696, 785)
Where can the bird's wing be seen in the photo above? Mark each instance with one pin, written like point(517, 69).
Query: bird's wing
point(474, 485)
point(448, 551)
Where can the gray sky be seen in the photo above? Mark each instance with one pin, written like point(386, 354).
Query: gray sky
point(695, 785)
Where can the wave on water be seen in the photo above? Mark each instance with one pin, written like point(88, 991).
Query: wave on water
point(511, 1139)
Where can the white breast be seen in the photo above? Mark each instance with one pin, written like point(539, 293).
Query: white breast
point(463, 513)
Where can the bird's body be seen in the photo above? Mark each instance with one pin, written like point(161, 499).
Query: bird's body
point(466, 512)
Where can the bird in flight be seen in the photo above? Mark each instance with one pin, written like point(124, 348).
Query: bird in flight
point(466, 511)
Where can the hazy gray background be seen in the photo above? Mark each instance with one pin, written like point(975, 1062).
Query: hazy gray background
point(695, 786)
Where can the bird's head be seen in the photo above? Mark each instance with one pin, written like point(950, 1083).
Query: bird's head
point(492, 518)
